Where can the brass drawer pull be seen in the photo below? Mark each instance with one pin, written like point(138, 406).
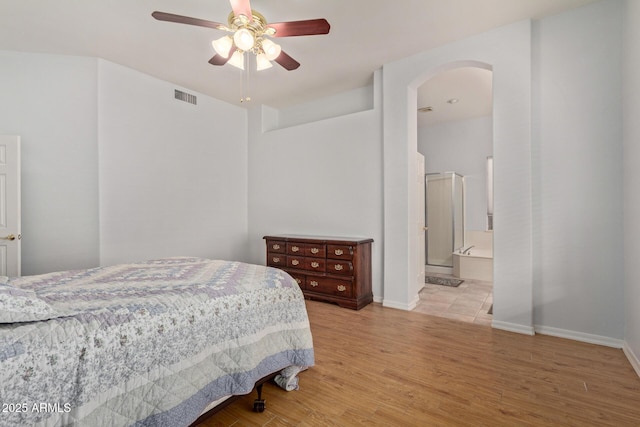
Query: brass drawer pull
point(314, 283)
point(299, 281)
point(338, 267)
point(276, 247)
point(339, 252)
point(295, 262)
point(315, 250)
point(342, 288)
point(276, 259)
point(295, 248)
point(315, 264)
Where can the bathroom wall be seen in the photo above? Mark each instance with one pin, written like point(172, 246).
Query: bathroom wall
point(462, 146)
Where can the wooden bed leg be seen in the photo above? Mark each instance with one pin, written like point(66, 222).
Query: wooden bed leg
point(258, 404)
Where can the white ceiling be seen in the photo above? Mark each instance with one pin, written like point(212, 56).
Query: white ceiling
point(365, 34)
point(457, 94)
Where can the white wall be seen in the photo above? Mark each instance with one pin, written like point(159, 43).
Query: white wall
point(173, 176)
point(462, 146)
point(50, 101)
point(577, 164)
point(319, 178)
point(631, 82)
point(115, 169)
point(341, 104)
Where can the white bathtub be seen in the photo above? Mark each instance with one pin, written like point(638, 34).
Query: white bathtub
point(475, 264)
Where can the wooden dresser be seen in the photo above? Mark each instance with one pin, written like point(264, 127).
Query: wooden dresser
point(333, 269)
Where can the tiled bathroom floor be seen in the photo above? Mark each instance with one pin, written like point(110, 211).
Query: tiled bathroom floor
point(468, 302)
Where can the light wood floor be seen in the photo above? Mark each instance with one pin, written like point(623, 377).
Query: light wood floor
point(385, 367)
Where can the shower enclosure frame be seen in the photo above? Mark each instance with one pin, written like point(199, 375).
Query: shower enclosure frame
point(453, 214)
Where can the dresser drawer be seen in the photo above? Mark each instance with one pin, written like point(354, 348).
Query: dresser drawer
point(340, 267)
point(329, 286)
point(295, 248)
point(277, 246)
point(340, 252)
point(315, 250)
point(315, 264)
point(295, 262)
point(276, 260)
point(300, 279)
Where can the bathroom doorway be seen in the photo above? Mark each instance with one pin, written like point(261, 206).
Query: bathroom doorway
point(455, 133)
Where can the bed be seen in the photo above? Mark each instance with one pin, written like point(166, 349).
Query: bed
point(151, 343)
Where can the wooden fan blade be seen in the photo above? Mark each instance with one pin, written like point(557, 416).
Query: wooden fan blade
point(300, 28)
point(170, 17)
point(221, 60)
point(287, 62)
point(242, 7)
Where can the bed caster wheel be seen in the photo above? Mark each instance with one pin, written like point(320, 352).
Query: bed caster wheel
point(258, 405)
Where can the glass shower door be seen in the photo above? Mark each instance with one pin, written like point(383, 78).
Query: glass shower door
point(444, 217)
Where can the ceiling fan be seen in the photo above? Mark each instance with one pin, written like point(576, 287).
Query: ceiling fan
point(250, 32)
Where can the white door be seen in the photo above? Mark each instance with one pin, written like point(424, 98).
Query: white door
point(10, 227)
point(420, 226)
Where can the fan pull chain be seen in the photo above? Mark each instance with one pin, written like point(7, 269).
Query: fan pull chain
point(244, 84)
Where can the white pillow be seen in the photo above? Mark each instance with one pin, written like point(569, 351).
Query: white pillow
point(21, 305)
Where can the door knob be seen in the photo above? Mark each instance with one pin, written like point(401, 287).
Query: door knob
point(9, 237)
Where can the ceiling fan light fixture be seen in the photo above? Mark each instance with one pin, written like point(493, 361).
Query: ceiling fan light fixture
point(271, 50)
point(223, 45)
point(237, 59)
point(262, 63)
point(248, 31)
point(244, 39)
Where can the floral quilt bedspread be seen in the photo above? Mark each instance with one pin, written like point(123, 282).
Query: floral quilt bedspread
point(149, 343)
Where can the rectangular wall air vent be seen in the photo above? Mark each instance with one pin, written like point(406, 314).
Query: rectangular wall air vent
point(186, 97)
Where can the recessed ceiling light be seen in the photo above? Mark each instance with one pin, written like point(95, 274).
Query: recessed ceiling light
point(453, 100)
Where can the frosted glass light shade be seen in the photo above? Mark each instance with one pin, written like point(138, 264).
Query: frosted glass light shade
point(237, 60)
point(243, 39)
point(262, 63)
point(223, 45)
point(271, 50)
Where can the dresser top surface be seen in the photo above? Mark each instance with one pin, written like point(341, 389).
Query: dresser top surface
point(324, 239)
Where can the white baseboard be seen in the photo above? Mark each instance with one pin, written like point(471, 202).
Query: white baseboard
point(633, 358)
point(377, 299)
point(401, 305)
point(579, 336)
point(513, 327)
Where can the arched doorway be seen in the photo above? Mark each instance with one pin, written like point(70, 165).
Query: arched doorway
point(455, 136)
point(508, 51)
